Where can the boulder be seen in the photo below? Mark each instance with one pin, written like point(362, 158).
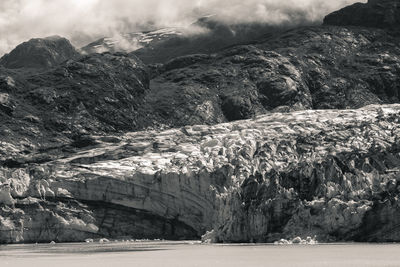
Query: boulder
point(7, 104)
point(5, 195)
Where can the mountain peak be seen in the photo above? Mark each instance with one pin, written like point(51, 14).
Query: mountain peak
point(375, 13)
point(39, 53)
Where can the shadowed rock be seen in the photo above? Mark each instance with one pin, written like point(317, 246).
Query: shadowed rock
point(376, 13)
point(39, 53)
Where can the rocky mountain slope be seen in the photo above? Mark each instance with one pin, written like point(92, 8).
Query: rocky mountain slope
point(303, 68)
point(375, 13)
point(330, 173)
point(206, 35)
point(103, 145)
point(97, 94)
point(39, 53)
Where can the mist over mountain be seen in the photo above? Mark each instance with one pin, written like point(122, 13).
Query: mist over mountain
point(83, 21)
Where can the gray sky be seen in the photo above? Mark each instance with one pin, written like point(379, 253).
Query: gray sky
point(82, 21)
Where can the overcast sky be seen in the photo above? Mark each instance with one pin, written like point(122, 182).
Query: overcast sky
point(82, 21)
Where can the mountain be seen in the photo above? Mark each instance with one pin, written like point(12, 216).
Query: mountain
point(206, 35)
point(39, 53)
point(131, 41)
point(95, 94)
point(292, 132)
point(303, 68)
point(375, 13)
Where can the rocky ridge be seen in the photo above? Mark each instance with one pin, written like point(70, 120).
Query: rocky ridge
point(96, 94)
point(306, 173)
point(206, 35)
point(39, 53)
point(303, 68)
point(375, 13)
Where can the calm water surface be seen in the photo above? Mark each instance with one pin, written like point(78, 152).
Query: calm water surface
point(175, 254)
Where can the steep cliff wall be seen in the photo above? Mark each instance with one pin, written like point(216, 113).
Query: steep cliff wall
point(330, 173)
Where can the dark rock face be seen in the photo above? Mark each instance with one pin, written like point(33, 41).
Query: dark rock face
point(7, 105)
point(39, 53)
point(376, 13)
point(92, 94)
point(305, 68)
point(237, 108)
point(105, 89)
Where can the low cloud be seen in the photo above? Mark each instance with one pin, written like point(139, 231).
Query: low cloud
point(83, 21)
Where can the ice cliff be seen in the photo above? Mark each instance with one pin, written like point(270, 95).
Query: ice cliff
point(330, 173)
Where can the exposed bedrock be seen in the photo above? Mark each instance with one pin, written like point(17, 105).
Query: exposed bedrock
point(375, 13)
point(39, 53)
point(330, 173)
point(325, 67)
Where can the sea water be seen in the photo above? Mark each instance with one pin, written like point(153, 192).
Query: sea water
point(164, 253)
